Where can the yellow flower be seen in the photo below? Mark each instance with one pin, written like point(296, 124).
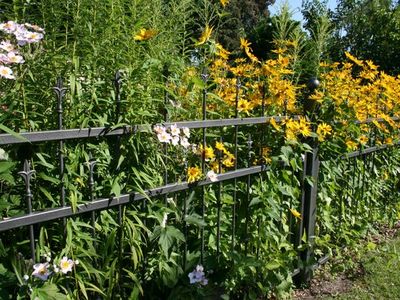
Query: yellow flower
point(244, 43)
point(389, 141)
point(144, 34)
point(274, 124)
point(229, 161)
point(193, 174)
point(351, 145)
point(295, 213)
point(354, 59)
point(244, 106)
point(205, 36)
point(224, 2)
point(363, 140)
point(222, 52)
point(304, 127)
point(266, 154)
point(323, 130)
point(220, 146)
point(209, 153)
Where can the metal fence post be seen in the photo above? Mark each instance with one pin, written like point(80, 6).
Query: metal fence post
point(309, 195)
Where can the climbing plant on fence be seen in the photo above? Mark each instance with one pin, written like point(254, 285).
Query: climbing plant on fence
point(234, 180)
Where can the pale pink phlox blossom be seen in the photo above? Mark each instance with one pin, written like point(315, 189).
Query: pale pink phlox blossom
point(41, 271)
point(7, 46)
point(212, 176)
point(4, 59)
point(175, 140)
point(15, 58)
point(185, 143)
point(164, 137)
point(186, 132)
point(9, 27)
point(159, 129)
point(175, 131)
point(66, 265)
point(198, 276)
point(6, 72)
point(25, 36)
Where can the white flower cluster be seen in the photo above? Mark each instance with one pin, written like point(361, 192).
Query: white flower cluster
point(173, 135)
point(9, 54)
point(43, 270)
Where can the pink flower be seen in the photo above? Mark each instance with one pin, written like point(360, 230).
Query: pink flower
point(175, 131)
point(41, 271)
point(15, 58)
point(6, 72)
point(164, 137)
point(9, 27)
point(175, 140)
point(7, 46)
point(66, 265)
point(212, 176)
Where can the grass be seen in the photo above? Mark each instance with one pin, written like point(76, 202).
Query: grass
point(382, 274)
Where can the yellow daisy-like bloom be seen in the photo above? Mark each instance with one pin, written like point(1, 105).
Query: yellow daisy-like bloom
point(323, 130)
point(222, 52)
point(351, 145)
point(363, 140)
point(224, 2)
point(304, 127)
point(193, 174)
point(209, 153)
point(389, 141)
point(144, 34)
point(354, 59)
point(229, 161)
point(244, 43)
point(220, 146)
point(244, 106)
point(295, 213)
point(205, 36)
point(274, 124)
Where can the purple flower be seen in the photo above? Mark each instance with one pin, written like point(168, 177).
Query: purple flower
point(198, 276)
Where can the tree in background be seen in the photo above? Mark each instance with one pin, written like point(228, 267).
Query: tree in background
point(369, 29)
point(243, 17)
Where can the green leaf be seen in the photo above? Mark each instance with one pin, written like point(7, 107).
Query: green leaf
point(195, 219)
point(13, 133)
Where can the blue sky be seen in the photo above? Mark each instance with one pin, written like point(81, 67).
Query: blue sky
point(295, 6)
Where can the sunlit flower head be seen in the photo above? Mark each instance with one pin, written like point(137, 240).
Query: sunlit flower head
point(15, 58)
point(164, 137)
point(175, 140)
point(144, 34)
point(224, 2)
point(6, 72)
point(41, 271)
point(185, 143)
point(7, 46)
point(212, 176)
point(174, 130)
point(295, 213)
point(186, 132)
point(66, 265)
point(193, 174)
point(205, 36)
point(8, 27)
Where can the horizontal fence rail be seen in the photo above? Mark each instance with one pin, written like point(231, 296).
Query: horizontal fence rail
point(106, 203)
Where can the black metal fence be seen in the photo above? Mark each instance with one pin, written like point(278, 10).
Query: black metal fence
point(244, 173)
